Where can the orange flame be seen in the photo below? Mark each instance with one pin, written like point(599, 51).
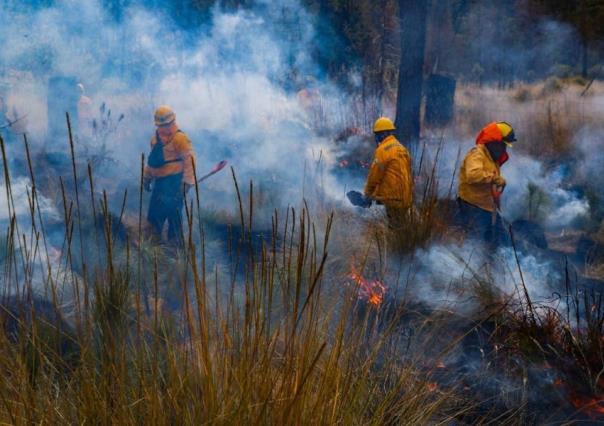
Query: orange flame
point(593, 407)
point(432, 387)
point(371, 290)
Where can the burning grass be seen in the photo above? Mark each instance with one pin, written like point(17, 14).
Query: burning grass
point(144, 334)
point(309, 321)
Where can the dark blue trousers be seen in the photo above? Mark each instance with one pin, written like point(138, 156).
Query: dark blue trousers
point(166, 205)
point(482, 224)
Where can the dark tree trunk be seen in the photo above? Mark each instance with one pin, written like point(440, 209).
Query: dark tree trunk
point(413, 41)
point(584, 43)
point(584, 58)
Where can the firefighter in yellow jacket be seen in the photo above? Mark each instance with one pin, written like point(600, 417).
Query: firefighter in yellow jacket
point(390, 179)
point(170, 172)
point(481, 183)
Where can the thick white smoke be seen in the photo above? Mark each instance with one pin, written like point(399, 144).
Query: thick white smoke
point(448, 276)
point(225, 83)
point(562, 205)
point(534, 191)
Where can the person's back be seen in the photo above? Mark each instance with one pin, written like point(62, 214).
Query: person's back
point(391, 181)
point(390, 178)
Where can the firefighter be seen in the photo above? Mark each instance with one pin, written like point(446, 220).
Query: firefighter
point(170, 170)
point(390, 180)
point(481, 183)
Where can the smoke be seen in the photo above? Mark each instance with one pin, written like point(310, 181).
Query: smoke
point(534, 191)
point(589, 142)
point(21, 192)
point(227, 82)
point(453, 276)
point(533, 47)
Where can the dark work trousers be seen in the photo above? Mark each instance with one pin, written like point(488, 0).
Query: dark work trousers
point(397, 216)
point(166, 204)
point(482, 224)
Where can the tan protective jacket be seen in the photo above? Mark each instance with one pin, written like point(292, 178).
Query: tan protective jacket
point(181, 149)
point(390, 178)
point(476, 178)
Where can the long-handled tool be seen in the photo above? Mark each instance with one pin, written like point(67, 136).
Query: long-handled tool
point(218, 167)
point(496, 192)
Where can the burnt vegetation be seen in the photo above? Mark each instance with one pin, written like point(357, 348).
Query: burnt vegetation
point(281, 309)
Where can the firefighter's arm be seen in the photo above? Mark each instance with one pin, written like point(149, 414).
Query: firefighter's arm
point(375, 176)
point(475, 169)
point(185, 147)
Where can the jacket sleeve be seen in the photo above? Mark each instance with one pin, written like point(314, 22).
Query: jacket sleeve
point(475, 170)
point(188, 157)
point(376, 174)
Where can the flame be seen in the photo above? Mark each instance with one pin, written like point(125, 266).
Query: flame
point(371, 290)
point(432, 387)
point(593, 407)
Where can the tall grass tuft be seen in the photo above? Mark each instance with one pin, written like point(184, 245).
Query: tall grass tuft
point(154, 335)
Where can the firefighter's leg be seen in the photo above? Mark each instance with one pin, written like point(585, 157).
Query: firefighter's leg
point(157, 214)
point(477, 222)
point(396, 217)
point(175, 230)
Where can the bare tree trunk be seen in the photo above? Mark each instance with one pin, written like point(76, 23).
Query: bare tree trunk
point(413, 42)
point(584, 57)
point(584, 42)
point(381, 83)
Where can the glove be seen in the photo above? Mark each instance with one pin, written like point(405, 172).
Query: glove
point(147, 183)
point(358, 199)
point(499, 181)
point(366, 202)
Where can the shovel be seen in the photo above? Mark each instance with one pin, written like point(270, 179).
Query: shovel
point(218, 167)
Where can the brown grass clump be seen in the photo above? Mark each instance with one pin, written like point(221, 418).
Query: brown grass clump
point(546, 116)
point(142, 337)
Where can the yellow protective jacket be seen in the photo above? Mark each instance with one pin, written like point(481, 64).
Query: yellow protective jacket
point(476, 178)
point(390, 179)
point(178, 148)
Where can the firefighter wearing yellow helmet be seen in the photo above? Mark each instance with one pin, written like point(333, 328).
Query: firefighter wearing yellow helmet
point(169, 174)
point(390, 179)
point(481, 183)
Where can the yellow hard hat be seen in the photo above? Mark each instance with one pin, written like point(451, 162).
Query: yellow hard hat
point(164, 116)
point(507, 133)
point(383, 124)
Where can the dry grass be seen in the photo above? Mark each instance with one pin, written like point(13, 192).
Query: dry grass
point(546, 116)
point(142, 337)
point(273, 332)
